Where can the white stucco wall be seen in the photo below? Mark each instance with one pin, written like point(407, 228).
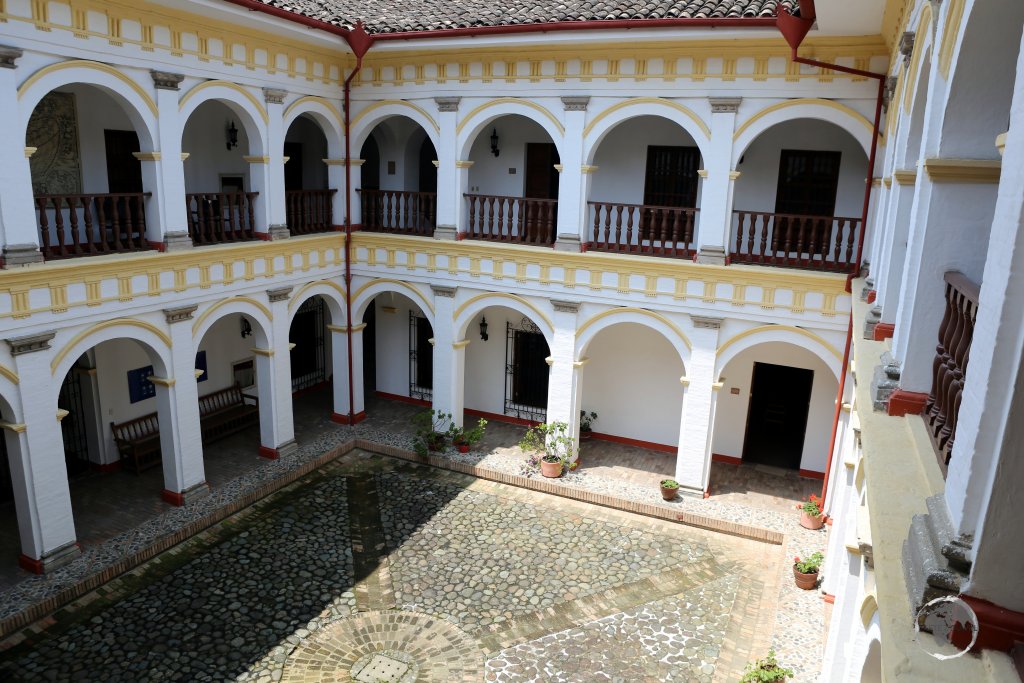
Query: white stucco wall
point(632, 383)
point(306, 132)
point(392, 334)
point(398, 140)
point(731, 411)
point(485, 360)
point(490, 174)
point(204, 139)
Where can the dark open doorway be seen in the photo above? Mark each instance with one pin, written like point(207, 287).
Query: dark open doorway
point(780, 397)
point(541, 176)
point(370, 350)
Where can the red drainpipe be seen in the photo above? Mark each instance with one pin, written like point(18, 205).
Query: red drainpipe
point(794, 29)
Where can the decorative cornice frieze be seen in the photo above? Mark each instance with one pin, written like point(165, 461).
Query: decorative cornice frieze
point(576, 102)
point(9, 56)
point(279, 294)
point(30, 343)
point(179, 314)
point(565, 306)
point(725, 105)
point(447, 103)
point(274, 95)
point(963, 170)
point(165, 80)
point(889, 91)
point(906, 47)
point(444, 292)
point(705, 322)
point(905, 177)
point(464, 163)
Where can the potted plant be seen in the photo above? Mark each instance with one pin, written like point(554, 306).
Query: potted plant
point(765, 670)
point(587, 424)
point(432, 429)
point(464, 439)
point(806, 571)
point(811, 516)
point(669, 488)
point(552, 447)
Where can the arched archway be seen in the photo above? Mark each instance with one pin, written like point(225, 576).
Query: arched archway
point(319, 372)
point(309, 199)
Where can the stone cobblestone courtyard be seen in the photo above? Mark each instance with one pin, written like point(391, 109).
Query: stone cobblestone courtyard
point(375, 569)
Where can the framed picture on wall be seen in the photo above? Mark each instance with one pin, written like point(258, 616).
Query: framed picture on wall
point(232, 183)
point(244, 373)
point(201, 365)
point(139, 386)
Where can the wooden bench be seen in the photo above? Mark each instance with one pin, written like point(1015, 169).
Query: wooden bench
point(221, 414)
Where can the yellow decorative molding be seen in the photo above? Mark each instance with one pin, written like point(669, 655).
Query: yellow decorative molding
point(921, 44)
point(16, 427)
point(29, 151)
point(589, 168)
point(164, 381)
point(464, 163)
point(185, 155)
point(559, 167)
point(511, 100)
point(637, 311)
point(99, 327)
point(580, 363)
point(297, 295)
point(224, 302)
point(87, 64)
point(395, 103)
point(256, 159)
point(61, 414)
point(401, 285)
point(718, 386)
point(436, 163)
point(337, 328)
point(198, 373)
point(876, 182)
point(776, 328)
point(685, 381)
point(685, 111)
point(702, 172)
point(1001, 143)
point(231, 86)
point(868, 607)
point(327, 104)
point(905, 177)
point(887, 181)
point(954, 17)
point(460, 344)
point(147, 156)
point(358, 328)
point(734, 175)
point(263, 352)
point(804, 101)
point(11, 375)
point(963, 170)
point(502, 295)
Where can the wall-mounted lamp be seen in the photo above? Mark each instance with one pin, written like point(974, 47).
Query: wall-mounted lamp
point(232, 134)
point(246, 328)
point(494, 142)
point(483, 329)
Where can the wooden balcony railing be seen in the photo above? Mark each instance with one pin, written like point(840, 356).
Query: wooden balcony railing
point(949, 369)
point(642, 229)
point(91, 224)
point(815, 242)
point(217, 217)
point(399, 211)
point(512, 219)
point(309, 211)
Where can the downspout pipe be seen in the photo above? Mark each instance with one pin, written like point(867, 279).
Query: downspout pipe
point(794, 29)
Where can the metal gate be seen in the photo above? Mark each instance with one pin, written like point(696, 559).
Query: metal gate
point(6, 485)
point(76, 441)
point(421, 358)
point(307, 332)
point(526, 371)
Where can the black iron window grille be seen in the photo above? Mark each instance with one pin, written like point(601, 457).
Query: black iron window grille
point(526, 371)
point(421, 358)
point(307, 332)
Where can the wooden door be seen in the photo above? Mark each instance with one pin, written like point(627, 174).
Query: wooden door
point(124, 171)
point(808, 184)
point(293, 179)
point(671, 176)
point(428, 172)
point(541, 176)
point(780, 398)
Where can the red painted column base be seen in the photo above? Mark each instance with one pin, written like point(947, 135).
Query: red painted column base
point(998, 628)
point(343, 419)
point(906, 403)
point(269, 453)
point(872, 295)
point(884, 331)
point(30, 564)
point(830, 599)
point(175, 498)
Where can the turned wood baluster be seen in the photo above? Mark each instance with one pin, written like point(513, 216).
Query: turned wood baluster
point(549, 235)
point(955, 366)
point(678, 230)
point(854, 236)
point(596, 208)
point(250, 200)
point(44, 225)
point(123, 205)
point(689, 219)
point(76, 241)
point(946, 369)
point(91, 237)
point(631, 231)
point(946, 331)
point(740, 232)
point(58, 224)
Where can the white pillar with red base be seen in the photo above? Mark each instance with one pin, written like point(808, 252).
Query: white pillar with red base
point(565, 375)
point(274, 380)
point(700, 396)
point(449, 194)
point(449, 357)
point(339, 349)
point(715, 226)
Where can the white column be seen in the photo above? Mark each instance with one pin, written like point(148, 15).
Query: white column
point(355, 205)
point(572, 196)
point(274, 379)
point(277, 214)
point(339, 345)
point(462, 167)
point(565, 373)
point(17, 211)
point(40, 476)
point(693, 460)
point(177, 397)
point(449, 356)
point(166, 211)
point(893, 256)
point(714, 223)
point(449, 193)
point(336, 181)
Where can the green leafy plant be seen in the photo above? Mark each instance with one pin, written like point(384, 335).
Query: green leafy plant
point(432, 429)
point(765, 670)
point(812, 506)
point(811, 565)
point(468, 437)
point(587, 420)
point(669, 484)
point(548, 442)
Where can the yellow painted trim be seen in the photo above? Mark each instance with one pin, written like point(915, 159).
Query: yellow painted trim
point(685, 111)
point(16, 427)
point(263, 352)
point(581, 362)
point(291, 345)
point(231, 86)
point(256, 159)
point(775, 328)
point(337, 328)
point(887, 181)
point(234, 299)
point(147, 156)
point(502, 295)
point(319, 100)
point(404, 285)
point(464, 163)
point(163, 381)
point(923, 29)
point(640, 311)
point(685, 381)
point(62, 413)
point(963, 170)
point(358, 328)
point(510, 100)
point(128, 322)
point(9, 374)
point(88, 64)
point(401, 103)
point(718, 386)
point(461, 344)
point(868, 607)
point(1001, 142)
point(801, 101)
point(29, 151)
point(905, 177)
point(954, 17)
point(297, 296)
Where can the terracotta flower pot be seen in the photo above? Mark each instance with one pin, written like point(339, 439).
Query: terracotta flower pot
point(805, 581)
point(551, 470)
point(463, 447)
point(669, 493)
point(811, 522)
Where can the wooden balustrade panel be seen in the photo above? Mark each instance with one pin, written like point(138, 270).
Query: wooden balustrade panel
point(642, 229)
point(219, 217)
point(91, 224)
point(949, 369)
point(309, 211)
point(399, 211)
point(827, 243)
point(523, 220)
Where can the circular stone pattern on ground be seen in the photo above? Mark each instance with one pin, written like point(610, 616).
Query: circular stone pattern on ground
point(392, 644)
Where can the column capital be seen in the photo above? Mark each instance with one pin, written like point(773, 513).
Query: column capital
point(464, 163)
point(30, 343)
point(906, 46)
point(565, 306)
point(180, 314)
point(445, 104)
point(274, 95)
point(725, 105)
point(444, 292)
point(9, 55)
point(165, 80)
point(707, 323)
point(279, 294)
point(576, 102)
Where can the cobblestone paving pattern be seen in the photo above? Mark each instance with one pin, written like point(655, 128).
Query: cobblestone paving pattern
point(676, 639)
